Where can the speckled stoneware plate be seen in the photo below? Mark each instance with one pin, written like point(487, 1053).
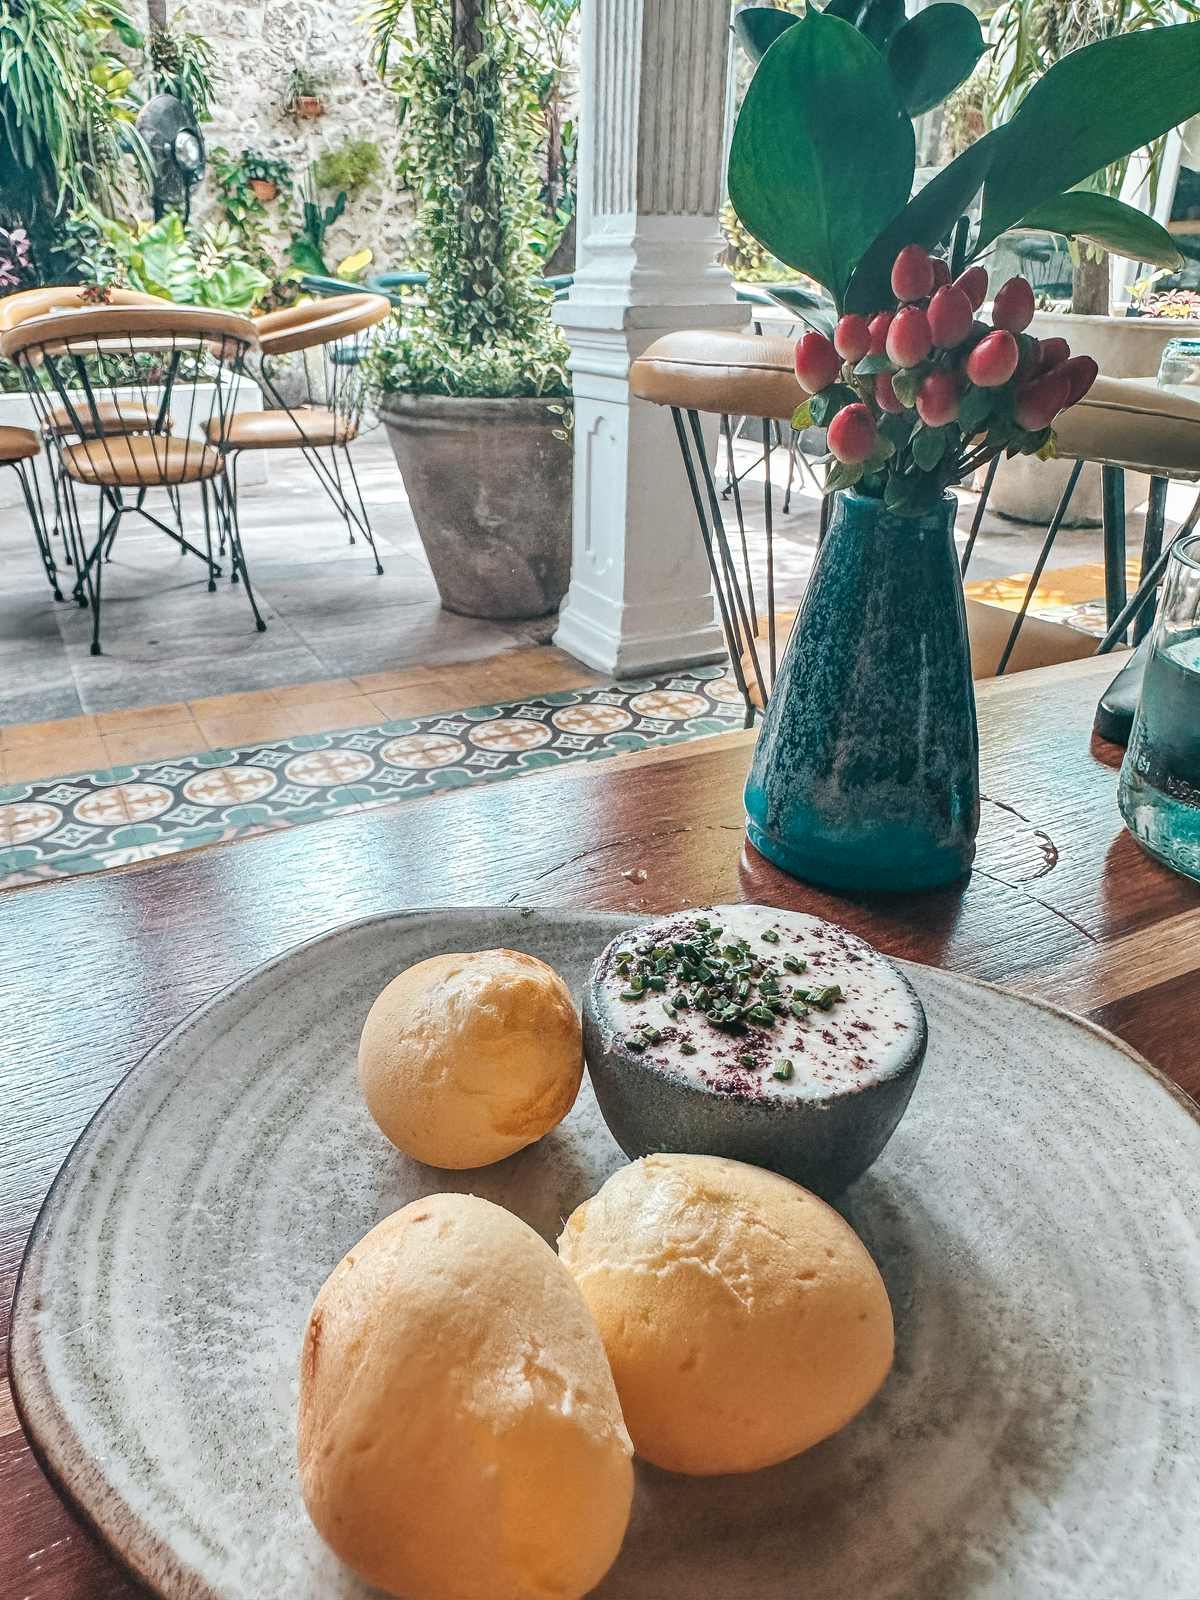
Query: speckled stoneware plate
point(1036, 1217)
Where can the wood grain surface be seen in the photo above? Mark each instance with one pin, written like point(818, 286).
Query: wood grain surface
point(1061, 904)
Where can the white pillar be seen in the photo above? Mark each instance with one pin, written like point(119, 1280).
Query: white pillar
point(651, 151)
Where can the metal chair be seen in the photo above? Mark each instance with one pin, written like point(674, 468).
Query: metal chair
point(336, 331)
point(179, 367)
point(19, 449)
point(121, 415)
point(753, 376)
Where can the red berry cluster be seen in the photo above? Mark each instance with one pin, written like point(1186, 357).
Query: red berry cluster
point(915, 399)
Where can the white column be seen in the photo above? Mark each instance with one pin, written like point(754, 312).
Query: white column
point(653, 111)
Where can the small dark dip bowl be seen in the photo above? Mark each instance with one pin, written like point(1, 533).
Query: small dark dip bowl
point(814, 1094)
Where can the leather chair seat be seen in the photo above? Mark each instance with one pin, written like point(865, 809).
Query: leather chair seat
point(282, 430)
point(745, 374)
point(141, 461)
point(316, 322)
point(1132, 423)
point(17, 444)
point(106, 417)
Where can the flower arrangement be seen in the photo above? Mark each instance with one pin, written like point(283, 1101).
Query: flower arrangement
point(823, 156)
point(915, 399)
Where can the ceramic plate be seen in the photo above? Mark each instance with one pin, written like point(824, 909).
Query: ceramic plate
point(1036, 1217)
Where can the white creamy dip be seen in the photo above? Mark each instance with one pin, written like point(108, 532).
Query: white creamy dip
point(861, 1033)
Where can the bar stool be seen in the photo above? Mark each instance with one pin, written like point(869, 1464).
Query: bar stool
point(753, 375)
point(19, 449)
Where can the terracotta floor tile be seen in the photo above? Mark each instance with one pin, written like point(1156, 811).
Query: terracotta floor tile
point(250, 727)
point(419, 700)
point(142, 717)
point(19, 733)
point(232, 705)
point(401, 678)
point(154, 744)
point(352, 712)
point(55, 758)
point(316, 693)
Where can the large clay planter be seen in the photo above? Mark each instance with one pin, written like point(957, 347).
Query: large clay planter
point(490, 489)
point(1123, 347)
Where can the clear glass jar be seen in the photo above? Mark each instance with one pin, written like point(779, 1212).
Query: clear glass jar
point(1179, 365)
point(1159, 792)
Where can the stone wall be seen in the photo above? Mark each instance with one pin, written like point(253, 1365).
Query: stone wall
point(258, 43)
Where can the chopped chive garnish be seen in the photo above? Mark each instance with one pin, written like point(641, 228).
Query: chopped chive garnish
point(798, 1008)
point(633, 994)
point(761, 1015)
point(634, 1042)
point(824, 997)
point(651, 1035)
point(770, 936)
point(670, 1010)
point(795, 964)
point(681, 1000)
point(687, 1049)
point(747, 1059)
point(784, 1071)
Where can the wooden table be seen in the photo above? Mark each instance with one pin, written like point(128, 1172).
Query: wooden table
point(1061, 904)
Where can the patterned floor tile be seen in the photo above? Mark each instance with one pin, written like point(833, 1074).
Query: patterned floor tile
point(58, 827)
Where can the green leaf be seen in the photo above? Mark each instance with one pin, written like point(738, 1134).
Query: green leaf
point(234, 286)
point(1115, 226)
point(877, 20)
point(884, 451)
point(756, 28)
point(974, 409)
point(843, 476)
point(1092, 107)
point(906, 383)
point(802, 416)
point(933, 53)
point(811, 309)
point(821, 96)
point(1048, 450)
point(928, 217)
point(823, 407)
point(870, 365)
point(897, 426)
point(928, 446)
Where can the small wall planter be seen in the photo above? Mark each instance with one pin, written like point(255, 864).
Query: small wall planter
point(490, 489)
point(308, 107)
point(1123, 347)
point(265, 189)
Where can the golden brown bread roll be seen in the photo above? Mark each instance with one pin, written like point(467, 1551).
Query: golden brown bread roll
point(743, 1318)
point(466, 1058)
point(459, 1431)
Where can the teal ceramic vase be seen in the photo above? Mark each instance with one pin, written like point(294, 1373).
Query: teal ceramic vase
point(866, 771)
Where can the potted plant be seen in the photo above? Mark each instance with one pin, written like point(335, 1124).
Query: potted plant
point(265, 174)
point(347, 166)
point(1028, 37)
point(865, 774)
point(473, 387)
point(302, 93)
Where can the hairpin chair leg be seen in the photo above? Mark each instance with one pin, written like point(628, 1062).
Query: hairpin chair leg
point(33, 504)
point(1113, 497)
point(1148, 583)
point(977, 519)
point(791, 473)
point(1152, 540)
point(212, 569)
point(362, 506)
point(236, 553)
point(1060, 512)
point(343, 503)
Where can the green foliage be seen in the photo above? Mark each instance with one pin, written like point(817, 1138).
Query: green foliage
point(470, 156)
point(66, 117)
point(1090, 109)
point(350, 166)
point(933, 53)
point(928, 56)
point(302, 83)
point(184, 64)
point(267, 169)
point(307, 247)
point(1100, 220)
point(205, 269)
point(836, 208)
point(820, 106)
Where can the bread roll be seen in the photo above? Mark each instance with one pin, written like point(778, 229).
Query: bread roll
point(743, 1319)
point(466, 1058)
point(460, 1436)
